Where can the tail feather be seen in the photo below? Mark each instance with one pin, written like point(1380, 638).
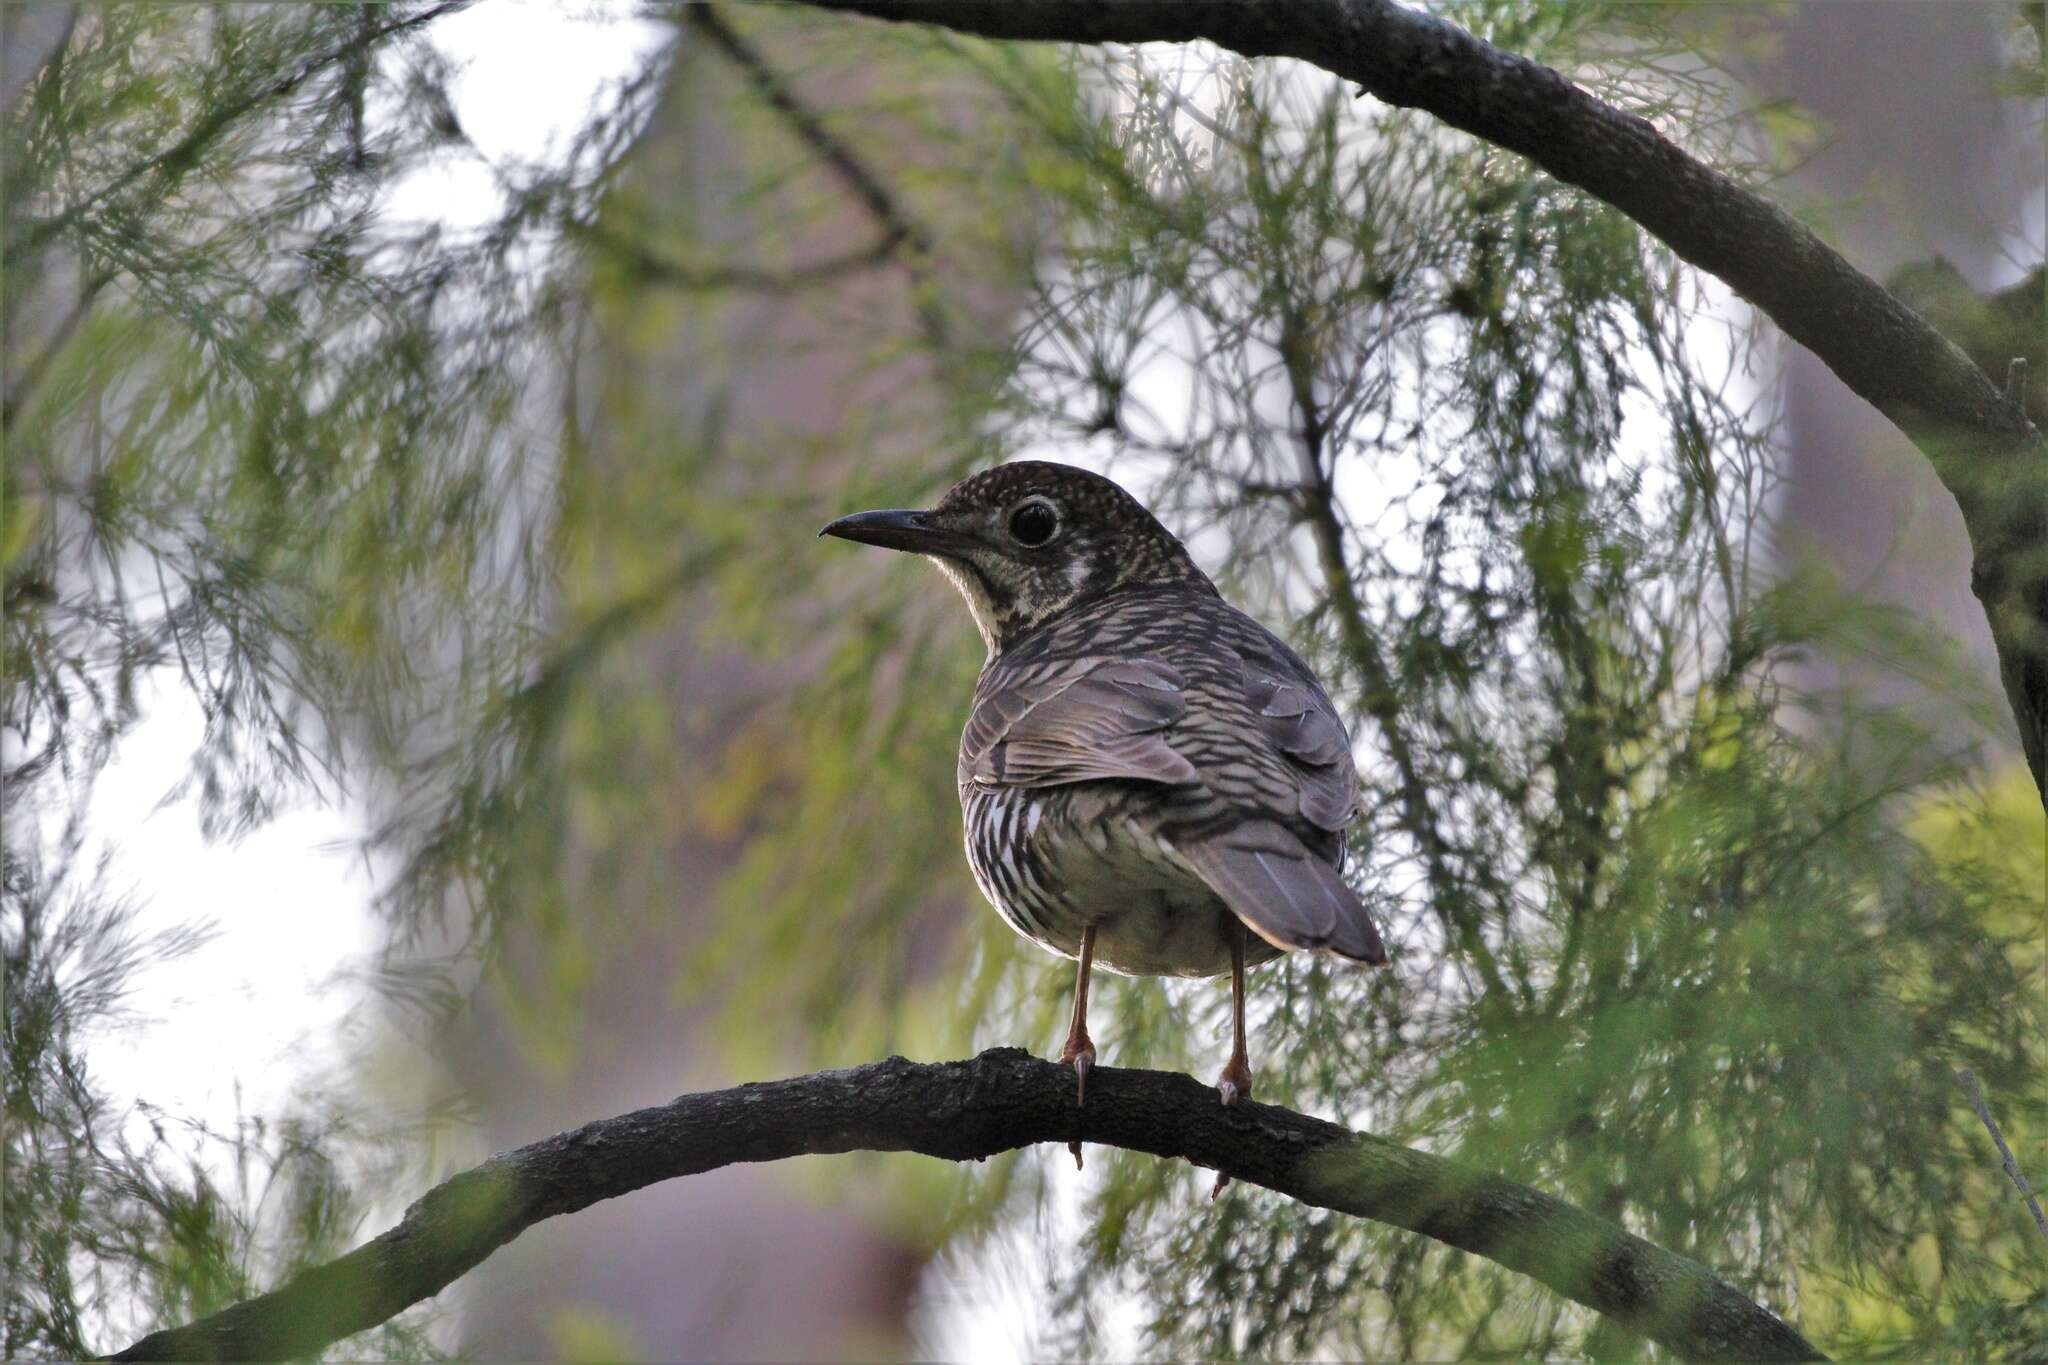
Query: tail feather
point(1284, 893)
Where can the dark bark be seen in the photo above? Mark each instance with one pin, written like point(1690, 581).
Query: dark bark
point(1000, 1100)
point(1986, 452)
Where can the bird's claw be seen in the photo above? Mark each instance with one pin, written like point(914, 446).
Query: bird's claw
point(1079, 1053)
point(1233, 1085)
point(1080, 1056)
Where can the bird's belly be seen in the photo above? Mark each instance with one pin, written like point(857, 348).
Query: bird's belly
point(1052, 870)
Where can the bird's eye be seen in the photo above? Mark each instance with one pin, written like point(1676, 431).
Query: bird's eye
point(1033, 522)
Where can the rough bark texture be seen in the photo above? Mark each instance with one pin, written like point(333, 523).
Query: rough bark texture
point(1000, 1100)
point(1987, 454)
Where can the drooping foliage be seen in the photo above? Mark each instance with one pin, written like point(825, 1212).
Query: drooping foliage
point(269, 443)
point(1504, 471)
point(517, 527)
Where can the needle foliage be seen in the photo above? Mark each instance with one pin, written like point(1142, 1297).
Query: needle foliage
point(504, 535)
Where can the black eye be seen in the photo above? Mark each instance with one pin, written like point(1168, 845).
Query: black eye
point(1034, 522)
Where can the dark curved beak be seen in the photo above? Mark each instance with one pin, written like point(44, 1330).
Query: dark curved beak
point(912, 531)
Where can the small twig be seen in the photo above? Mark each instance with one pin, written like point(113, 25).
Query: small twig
point(808, 126)
point(37, 231)
point(31, 376)
point(1316, 494)
point(656, 269)
point(1968, 1080)
point(899, 228)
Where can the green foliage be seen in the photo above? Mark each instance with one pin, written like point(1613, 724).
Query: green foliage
point(116, 1223)
point(513, 531)
point(260, 447)
point(247, 449)
point(1666, 949)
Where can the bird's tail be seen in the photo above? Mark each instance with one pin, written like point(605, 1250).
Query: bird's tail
point(1284, 893)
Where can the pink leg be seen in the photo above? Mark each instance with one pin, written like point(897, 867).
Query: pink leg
point(1079, 1051)
point(1236, 1081)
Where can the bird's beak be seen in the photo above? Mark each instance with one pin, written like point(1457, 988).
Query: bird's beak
point(912, 531)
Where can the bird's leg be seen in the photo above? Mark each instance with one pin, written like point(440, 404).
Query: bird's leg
point(1236, 1081)
point(1079, 1051)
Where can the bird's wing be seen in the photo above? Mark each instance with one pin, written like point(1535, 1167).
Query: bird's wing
point(1287, 895)
point(1301, 724)
point(1074, 721)
point(1275, 864)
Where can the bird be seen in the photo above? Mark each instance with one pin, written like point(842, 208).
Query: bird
point(1150, 781)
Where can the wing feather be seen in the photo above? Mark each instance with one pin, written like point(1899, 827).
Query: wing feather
point(1275, 863)
point(1080, 720)
point(1302, 725)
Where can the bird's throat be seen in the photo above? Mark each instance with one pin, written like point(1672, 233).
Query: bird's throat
point(979, 601)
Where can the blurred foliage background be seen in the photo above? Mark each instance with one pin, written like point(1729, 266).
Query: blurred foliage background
point(501, 533)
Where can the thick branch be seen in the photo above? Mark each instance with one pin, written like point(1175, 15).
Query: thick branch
point(1000, 1100)
point(1981, 445)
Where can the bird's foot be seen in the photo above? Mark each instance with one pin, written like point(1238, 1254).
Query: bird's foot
point(1233, 1085)
point(1236, 1081)
point(1079, 1053)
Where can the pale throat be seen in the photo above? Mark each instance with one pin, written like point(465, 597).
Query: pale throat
point(987, 619)
point(978, 603)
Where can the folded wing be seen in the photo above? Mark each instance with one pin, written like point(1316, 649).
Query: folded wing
point(1075, 721)
point(1301, 724)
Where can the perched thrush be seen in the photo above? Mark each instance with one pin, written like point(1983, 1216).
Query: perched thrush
point(1151, 780)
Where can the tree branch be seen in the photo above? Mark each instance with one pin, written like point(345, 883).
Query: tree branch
point(809, 128)
point(654, 268)
point(1001, 1100)
point(899, 228)
point(24, 384)
point(1316, 497)
point(1967, 1079)
point(1986, 452)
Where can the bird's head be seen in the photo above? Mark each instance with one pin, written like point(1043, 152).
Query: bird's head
point(1028, 541)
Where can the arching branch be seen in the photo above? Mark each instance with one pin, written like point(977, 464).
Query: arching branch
point(998, 1101)
point(1983, 448)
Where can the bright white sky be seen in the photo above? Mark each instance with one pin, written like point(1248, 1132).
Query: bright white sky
point(264, 999)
